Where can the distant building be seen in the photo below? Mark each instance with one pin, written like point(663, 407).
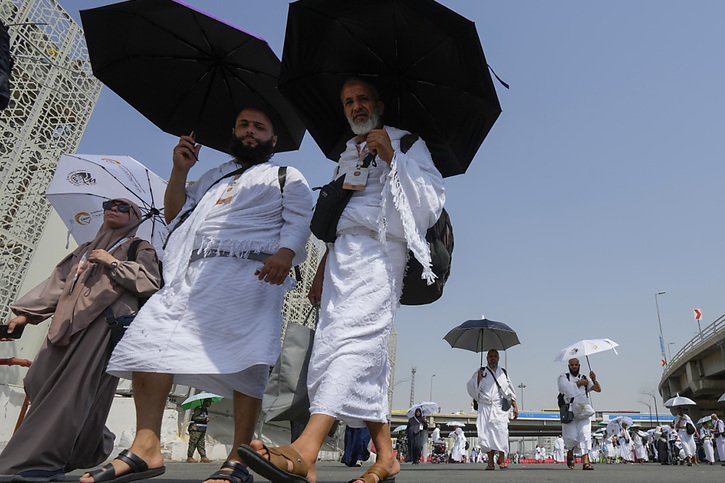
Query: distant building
point(52, 96)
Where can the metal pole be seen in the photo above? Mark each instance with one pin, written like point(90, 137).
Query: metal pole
point(431, 388)
point(522, 386)
point(662, 338)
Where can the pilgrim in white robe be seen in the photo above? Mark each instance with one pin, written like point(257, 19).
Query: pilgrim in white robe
point(459, 445)
point(719, 427)
point(640, 451)
point(214, 325)
point(492, 422)
point(706, 438)
point(578, 433)
point(688, 440)
point(559, 453)
point(349, 369)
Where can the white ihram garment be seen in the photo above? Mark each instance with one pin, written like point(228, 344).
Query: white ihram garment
point(706, 438)
point(688, 440)
point(349, 371)
point(577, 434)
point(720, 440)
point(492, 422)
point(459, 444)
point(214, 325)
point(559, 456)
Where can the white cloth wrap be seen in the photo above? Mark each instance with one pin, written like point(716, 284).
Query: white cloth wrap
point(214, 325)
point(577, 434)
point(720, 441)
point(688, 440)
point(459, 444)
point(492, 422)
point(411, 202)
point(349, 370)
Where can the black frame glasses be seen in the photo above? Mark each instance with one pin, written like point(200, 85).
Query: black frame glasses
point(121, 207)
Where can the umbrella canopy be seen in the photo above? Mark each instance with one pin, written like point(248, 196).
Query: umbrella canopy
point(613, 428)
point(196, 400)
point(585, 348)
point(426, 408)
point(482, 334)
point(704, 419)
point(722, 398)
point(426, 61)
point(456, 424)
point(624, 420)
point(400, 428)
point(679, 401)
point(186, 71)
point(82, 182)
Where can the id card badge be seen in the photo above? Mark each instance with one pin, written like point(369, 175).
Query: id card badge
point(356, 177)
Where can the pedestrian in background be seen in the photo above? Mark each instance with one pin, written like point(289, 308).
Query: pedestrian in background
point(197, 432)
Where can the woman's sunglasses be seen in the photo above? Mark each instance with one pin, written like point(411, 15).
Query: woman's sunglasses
point(121, 207)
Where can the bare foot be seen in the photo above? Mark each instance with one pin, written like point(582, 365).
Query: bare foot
point(258, 446)
point(121, 468)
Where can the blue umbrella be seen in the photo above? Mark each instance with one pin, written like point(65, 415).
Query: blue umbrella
point(482, 334)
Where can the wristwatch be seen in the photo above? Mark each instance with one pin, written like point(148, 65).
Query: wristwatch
point(114, 264)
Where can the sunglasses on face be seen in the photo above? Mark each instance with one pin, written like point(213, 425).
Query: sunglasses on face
point(121, 207)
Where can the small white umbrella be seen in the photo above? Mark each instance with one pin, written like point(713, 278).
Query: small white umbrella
point(425, 407)
point(679, 401)
point(704, 419)
point(400, 428)
point(456, 424)
point(722, 398)
point(585, 348)
point(82, 182)
point(624, 420)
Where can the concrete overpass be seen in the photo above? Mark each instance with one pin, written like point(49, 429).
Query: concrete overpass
point(697, 371)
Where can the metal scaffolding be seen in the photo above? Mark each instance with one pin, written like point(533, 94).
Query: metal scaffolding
point(53, 93)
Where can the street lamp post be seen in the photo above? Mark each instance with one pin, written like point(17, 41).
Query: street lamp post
point(662, 338)
point(649, 406)
point(669, 352)
point(431, 388)
point(654, 400)
point(522, 386)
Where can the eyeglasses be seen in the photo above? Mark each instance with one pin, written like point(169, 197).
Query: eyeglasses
point(121, 207)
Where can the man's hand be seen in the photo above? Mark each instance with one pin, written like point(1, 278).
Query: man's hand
point(102, 257)
point(378, 142)
point(315, 293)
point(186, 153)
point(592, 376)
point(276, 267)
point(581, 382)
point(13, 323)
point(516, 409)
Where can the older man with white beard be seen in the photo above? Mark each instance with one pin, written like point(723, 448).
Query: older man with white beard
point(578, 433)
point(358, 286)
point(489, 386)
point(718, 434)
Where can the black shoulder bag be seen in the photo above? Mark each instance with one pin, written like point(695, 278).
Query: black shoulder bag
point(566, 415)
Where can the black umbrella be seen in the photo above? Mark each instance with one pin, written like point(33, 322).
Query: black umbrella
point(426, 61)
point(186, 71)
point(482, 334)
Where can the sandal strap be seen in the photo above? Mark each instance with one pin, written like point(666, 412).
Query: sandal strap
point(105, 473)
point(232, 471)
point(281, 455)
point(137, 464)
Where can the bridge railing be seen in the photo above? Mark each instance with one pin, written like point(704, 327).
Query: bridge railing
point(699, 340)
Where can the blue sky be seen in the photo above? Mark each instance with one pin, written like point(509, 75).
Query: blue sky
point(599, 185)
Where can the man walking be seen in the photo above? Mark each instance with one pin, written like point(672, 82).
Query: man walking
point(197, 432)
point(491, 388)
point(216, 323)
point(358, 286)
point(718, 435)
point(577, 433)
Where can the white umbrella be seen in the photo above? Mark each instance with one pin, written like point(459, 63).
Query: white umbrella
point(456, 424)
point(704, 419)
point(82, 182)
point(425, 407)
point(643, 434)
point(613, 428)
point(585, 348)
point(722, 398)
point(679, 401)
point(624, 420)
point(400, 428)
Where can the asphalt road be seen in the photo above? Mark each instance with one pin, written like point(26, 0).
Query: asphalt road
point(330, 472)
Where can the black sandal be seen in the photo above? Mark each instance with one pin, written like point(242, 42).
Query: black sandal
point(570, 460)
point(587, 466)
point(232, 471)
point(139, 470)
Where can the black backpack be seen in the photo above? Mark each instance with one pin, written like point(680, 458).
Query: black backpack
point(416, 291)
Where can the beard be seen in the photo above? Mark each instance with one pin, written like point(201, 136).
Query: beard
point(261, 153)
point(362, 128)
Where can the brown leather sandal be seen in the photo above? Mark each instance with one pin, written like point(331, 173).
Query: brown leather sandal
point(274, 466)
point(372, 472)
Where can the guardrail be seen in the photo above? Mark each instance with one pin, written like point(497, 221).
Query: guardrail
point(696, 342)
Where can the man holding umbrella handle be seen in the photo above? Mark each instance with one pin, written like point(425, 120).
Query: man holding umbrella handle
point(578, 433)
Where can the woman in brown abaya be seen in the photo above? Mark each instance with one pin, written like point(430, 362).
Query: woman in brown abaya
point(68, 388)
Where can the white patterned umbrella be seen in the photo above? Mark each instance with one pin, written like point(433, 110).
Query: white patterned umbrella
point(722, 398)
point(679, 401)
point(425, 407)
point(82, 182)
point(585, 348)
